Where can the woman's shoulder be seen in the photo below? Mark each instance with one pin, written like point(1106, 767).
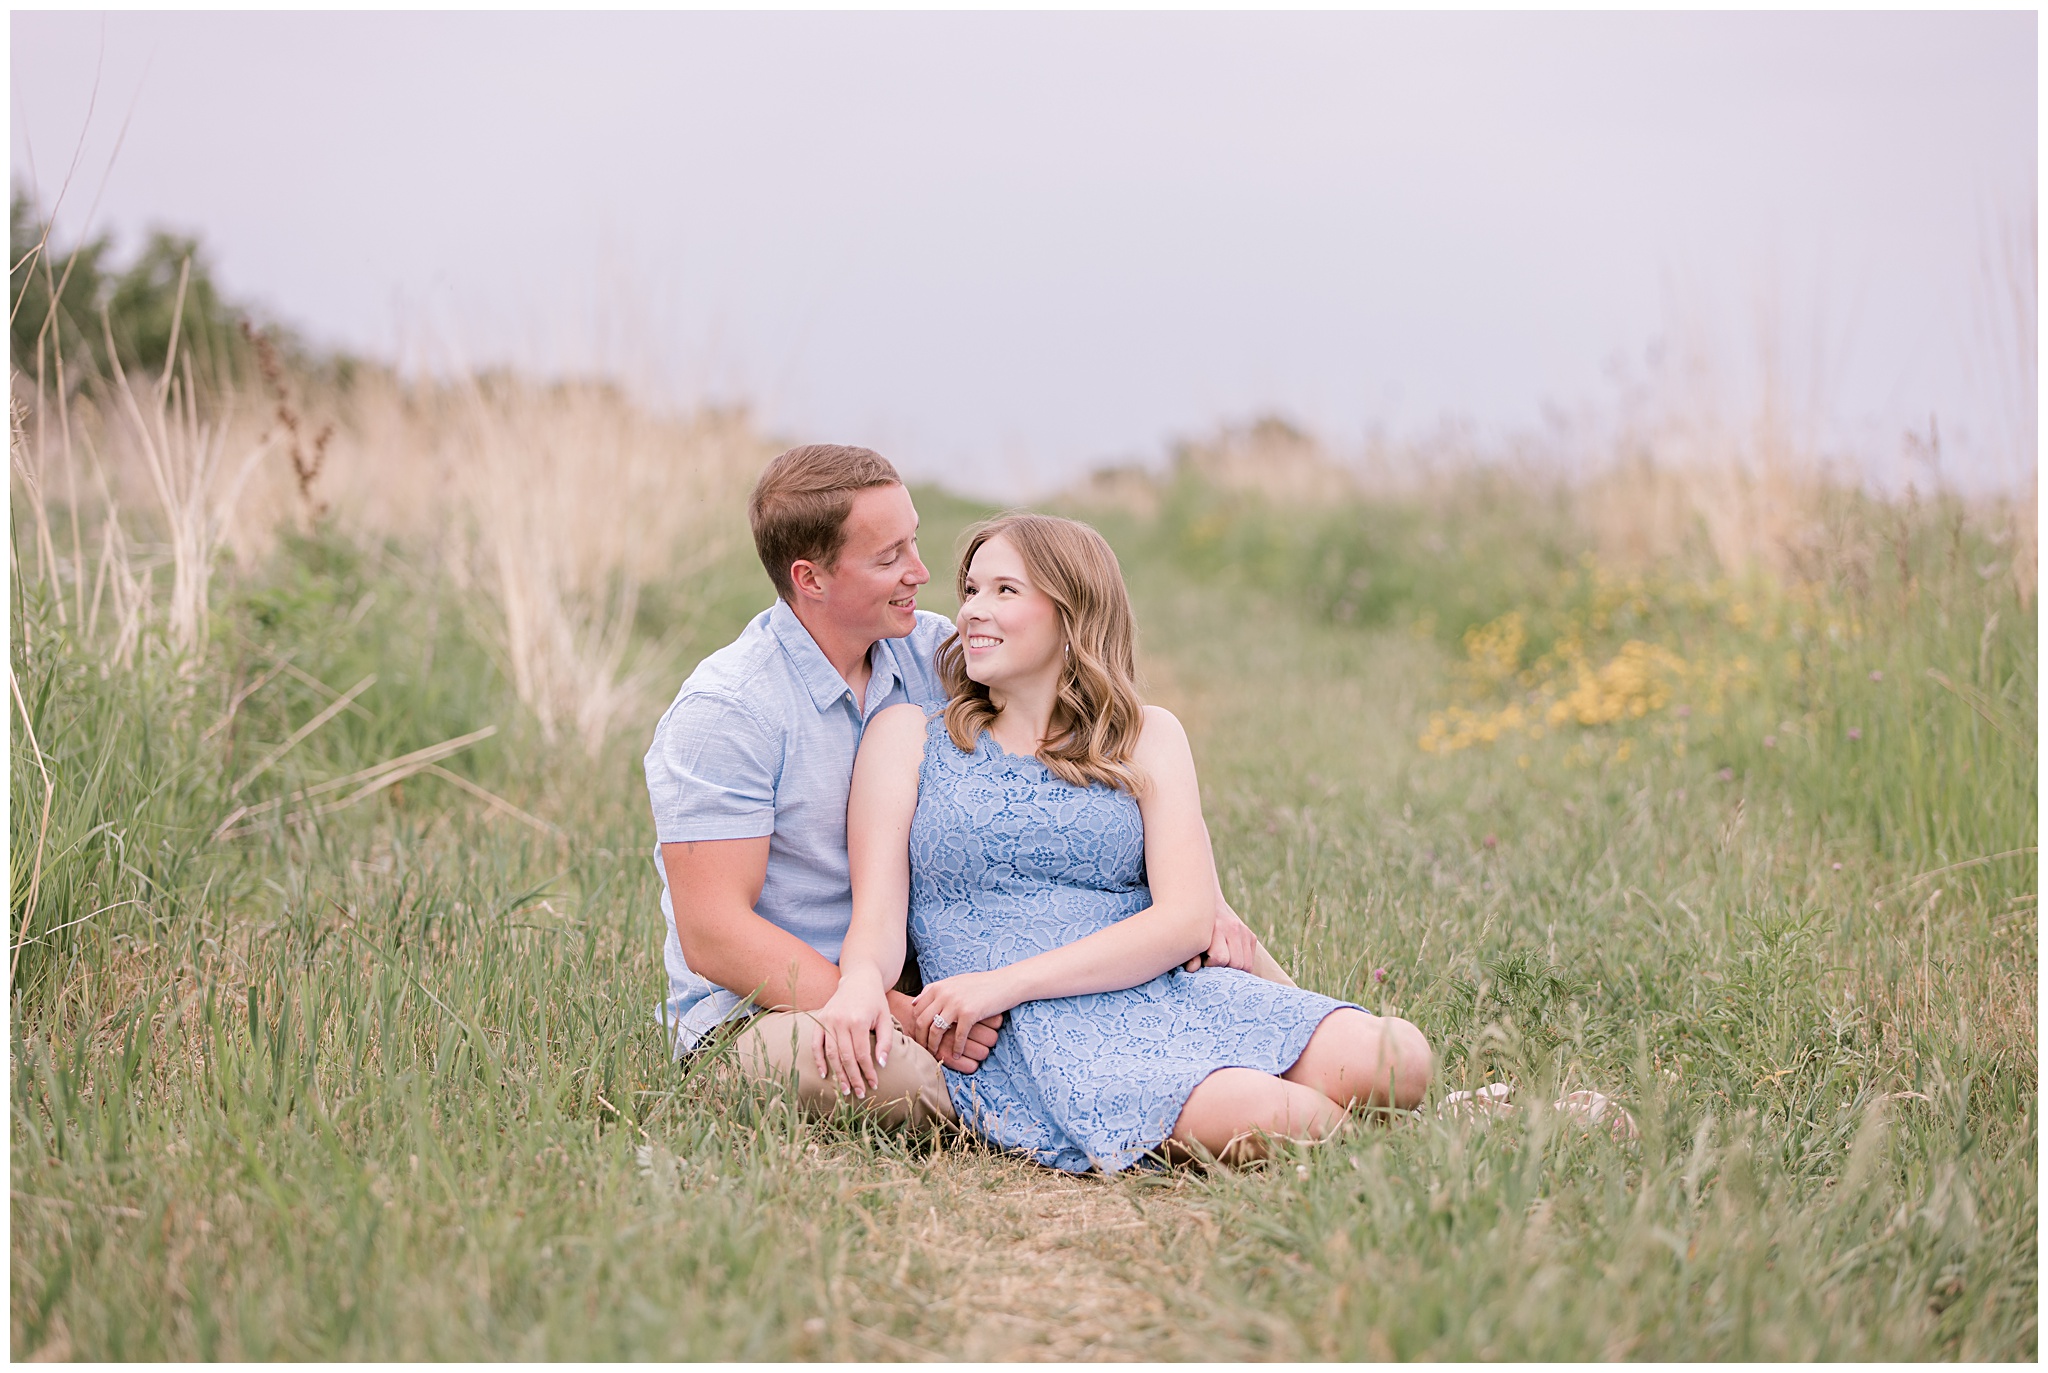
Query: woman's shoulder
point(905, 720)
point(1163, 753)
point(1161, 728)
point(893, 741)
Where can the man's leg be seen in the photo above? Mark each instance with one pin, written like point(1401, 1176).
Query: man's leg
point(775, 1046)
point(1233, 943)
point(1266, 966)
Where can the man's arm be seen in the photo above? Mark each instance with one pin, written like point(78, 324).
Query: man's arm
point(1262, 964)
point(1231, 942)
point(712, 887)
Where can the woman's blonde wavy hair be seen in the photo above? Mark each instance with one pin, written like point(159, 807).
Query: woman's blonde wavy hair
point(1098, 714)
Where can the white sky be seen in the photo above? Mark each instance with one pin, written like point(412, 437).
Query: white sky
point(1002, 248)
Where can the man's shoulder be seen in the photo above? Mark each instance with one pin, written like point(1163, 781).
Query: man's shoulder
point(932, 628)
point(739, 677)
point(916, 657)
point(922, 642)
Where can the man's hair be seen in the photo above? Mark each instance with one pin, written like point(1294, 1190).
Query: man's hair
point(799, 507)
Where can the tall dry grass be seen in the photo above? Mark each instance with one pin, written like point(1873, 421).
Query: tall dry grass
point(183, 450)
point(553, 504)
point(577, 500)
point(1680, 477)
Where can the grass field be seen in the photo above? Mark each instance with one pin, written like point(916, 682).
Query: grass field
point(370, 1070)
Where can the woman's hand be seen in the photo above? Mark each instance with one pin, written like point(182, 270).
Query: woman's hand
point(952, 1006)
point(856, 1030)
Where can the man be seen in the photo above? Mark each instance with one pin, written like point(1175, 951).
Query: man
point(750, 768)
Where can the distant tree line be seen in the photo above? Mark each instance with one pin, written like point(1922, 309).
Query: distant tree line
point(57, 294)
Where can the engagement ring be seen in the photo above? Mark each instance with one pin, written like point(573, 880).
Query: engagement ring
point(940, 1022)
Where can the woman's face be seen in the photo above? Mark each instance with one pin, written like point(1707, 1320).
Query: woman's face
point(1010, 630)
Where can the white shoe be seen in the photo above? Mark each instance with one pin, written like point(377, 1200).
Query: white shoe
point(1490, 1100)
point(1582, 1107)
point(1596, 1108)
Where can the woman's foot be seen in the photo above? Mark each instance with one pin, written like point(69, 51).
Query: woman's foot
point(1485, 1103)
point(1585, 1108)
point(1592, 1108)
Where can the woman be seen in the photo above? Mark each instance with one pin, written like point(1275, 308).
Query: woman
point(1043, 840)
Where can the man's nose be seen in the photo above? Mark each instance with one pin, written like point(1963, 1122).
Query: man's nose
point(917, 574)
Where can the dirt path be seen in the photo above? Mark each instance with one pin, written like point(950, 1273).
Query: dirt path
point(1001, 1260)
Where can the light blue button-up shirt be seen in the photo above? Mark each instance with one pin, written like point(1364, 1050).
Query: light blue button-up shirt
point(760, 741)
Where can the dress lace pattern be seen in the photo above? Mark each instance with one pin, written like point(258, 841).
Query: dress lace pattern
point(1007, 861)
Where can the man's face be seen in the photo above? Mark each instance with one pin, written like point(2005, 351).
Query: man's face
point(871, 591)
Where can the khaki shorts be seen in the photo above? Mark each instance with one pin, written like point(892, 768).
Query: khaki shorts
point(776, 1045)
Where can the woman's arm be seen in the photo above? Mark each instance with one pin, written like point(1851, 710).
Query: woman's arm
point(879, 809)
point(1174, 928)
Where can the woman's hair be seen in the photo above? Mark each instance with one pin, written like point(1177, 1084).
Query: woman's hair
point(1098, 714)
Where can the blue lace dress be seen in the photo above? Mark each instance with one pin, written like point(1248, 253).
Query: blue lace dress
point(1007, 861)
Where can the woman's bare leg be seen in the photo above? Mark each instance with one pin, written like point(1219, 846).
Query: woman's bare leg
point(1232, 1108)
point(1353, 1059)
point(1356, 1059)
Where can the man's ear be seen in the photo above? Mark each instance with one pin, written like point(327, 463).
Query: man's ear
point(808, 579)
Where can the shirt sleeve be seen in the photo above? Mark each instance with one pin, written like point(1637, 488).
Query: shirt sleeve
point(711, 772)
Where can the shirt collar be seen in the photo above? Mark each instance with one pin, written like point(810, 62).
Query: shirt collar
point(882, 676)
point(813, 668)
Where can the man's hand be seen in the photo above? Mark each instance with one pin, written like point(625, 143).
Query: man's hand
point(1231, 944)
point(966, 1003)
point(981, 1037)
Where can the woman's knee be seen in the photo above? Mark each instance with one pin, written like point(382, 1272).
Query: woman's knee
point(1414, 1063)
point(1360, 1059)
